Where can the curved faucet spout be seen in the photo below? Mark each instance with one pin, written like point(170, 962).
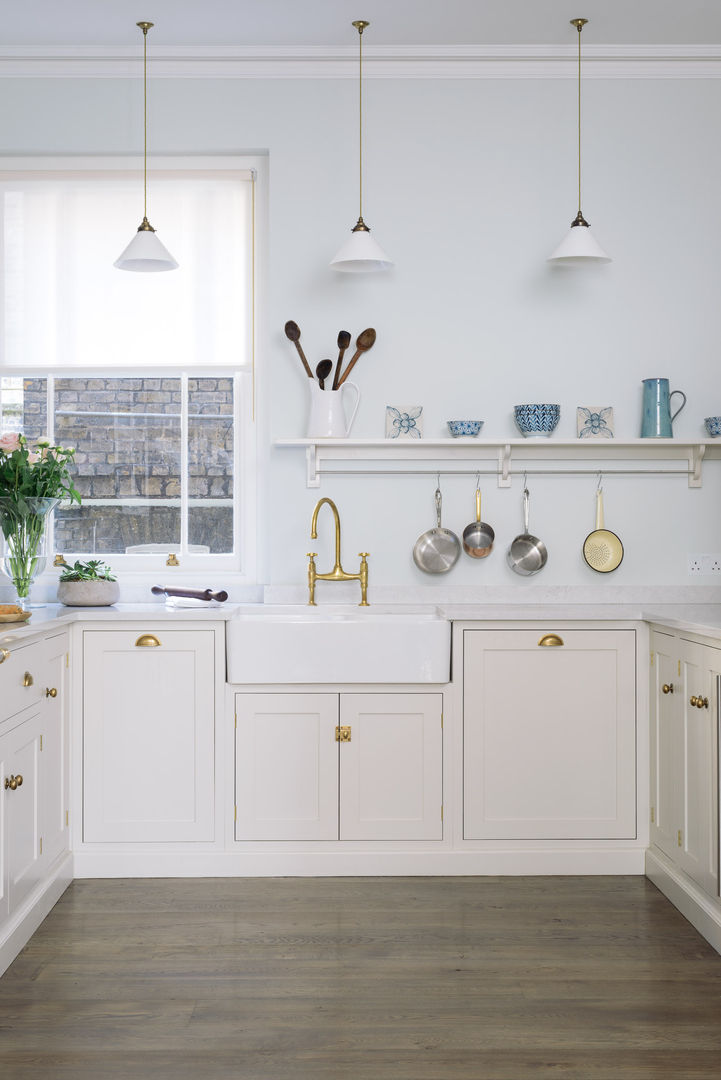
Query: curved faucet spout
point(314, 527)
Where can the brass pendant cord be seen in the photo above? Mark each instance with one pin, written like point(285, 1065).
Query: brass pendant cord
point(145, 27)
point(361, 26)
point(580, 27)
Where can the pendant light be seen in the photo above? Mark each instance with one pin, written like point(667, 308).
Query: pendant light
point(360, 254)
point(145, 251)
point(579, 247)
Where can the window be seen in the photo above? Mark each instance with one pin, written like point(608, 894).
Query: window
point(148, 376)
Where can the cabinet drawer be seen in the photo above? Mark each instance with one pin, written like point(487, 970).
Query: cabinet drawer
point(21, 664)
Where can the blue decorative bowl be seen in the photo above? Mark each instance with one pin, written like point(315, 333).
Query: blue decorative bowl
point(534, 420)
point(464, 427)
point(713, 426)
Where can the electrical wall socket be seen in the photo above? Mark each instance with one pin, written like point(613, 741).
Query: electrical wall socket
point(704, 565)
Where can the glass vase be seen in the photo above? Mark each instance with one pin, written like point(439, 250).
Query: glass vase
point(23, 542)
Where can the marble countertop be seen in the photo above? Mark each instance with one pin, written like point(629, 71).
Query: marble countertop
point(703, 619)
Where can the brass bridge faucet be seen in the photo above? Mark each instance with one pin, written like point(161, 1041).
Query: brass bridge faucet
point(337, 573)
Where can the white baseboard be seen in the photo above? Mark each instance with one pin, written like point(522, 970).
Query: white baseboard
point(308, 863)
point(23, 923)
point(701, 910)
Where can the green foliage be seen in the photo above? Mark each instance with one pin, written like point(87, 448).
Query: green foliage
point(40, 473)
point(93, 570)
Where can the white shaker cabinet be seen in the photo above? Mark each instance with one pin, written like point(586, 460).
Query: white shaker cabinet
point(34, 766)
point(346, 766)
point(549, 730)
point(684, 755)
point(148, 735)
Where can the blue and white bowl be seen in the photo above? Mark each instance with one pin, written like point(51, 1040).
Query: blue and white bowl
point(464, 427)
point(537, 420)
point(713, 426)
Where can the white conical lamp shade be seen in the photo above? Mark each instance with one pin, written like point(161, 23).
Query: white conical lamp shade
point(360, 254)
point(145, 253)
point(578, 248)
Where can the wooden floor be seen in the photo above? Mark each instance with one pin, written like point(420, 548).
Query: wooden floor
point(363, 979)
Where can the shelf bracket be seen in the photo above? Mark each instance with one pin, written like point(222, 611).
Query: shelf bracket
point(312, 473)
point(504, 466)
point(695, 459)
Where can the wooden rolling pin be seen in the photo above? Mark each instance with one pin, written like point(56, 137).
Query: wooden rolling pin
point(194, 594)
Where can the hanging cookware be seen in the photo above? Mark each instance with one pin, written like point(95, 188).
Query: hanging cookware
point(436, 550)
point(478, 537)
point(526, 554)
point(602, 549)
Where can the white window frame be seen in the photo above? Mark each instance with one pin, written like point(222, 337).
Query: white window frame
point(243, 566)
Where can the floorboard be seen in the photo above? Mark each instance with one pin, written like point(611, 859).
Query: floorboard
point(591, 978)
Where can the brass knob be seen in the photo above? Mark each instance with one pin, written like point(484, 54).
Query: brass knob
point(51, 692)
point(148, 640)
point(702, 703)
point(667, 688)
point(693, 700)
point(28, 679)
point(19, 780)
point(550, 639)
point(11, 783)
point(4, 653)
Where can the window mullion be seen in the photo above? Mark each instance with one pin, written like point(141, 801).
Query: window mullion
point(184, 438)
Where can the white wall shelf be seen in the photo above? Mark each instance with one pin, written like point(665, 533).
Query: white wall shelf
point(505, 457)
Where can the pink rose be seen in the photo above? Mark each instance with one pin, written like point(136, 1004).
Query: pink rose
point(10, 442)
point(33, 457)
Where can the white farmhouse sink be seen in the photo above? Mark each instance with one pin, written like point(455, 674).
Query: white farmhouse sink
point(337, 643)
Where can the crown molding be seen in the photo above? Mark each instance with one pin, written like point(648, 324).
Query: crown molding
point(380, 61)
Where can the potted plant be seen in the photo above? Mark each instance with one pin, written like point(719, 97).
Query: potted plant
point(32, 482)
point(87, 584)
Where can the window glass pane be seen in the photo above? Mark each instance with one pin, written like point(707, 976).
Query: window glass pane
point(210, 464)
point(127, 437)
point(23, 406)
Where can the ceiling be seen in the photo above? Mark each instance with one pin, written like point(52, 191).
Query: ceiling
point(328, 22)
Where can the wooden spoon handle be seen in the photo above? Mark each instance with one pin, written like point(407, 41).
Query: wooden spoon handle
point(301, 354)
point(341, 354)
point(348, 370)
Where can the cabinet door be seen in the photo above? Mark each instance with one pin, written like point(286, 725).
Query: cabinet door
point(549, 734)
point(286, 763)
point(148, 736)
point(697, 765)
point(54, 757)
point(391, 767)
point(21, 768)
point(666, 742)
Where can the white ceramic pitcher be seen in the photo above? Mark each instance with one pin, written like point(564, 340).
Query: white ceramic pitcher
point(327, 419)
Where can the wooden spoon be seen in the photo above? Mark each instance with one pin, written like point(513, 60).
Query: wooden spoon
point(322, 371)
point(343, 343)
point(292, 332)
point(364, 342)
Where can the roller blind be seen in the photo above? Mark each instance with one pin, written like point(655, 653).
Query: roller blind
point(63, 303)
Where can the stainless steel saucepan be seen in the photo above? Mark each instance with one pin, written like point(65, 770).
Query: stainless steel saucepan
point(478, 537)
point(436, 550)
point(526, 554)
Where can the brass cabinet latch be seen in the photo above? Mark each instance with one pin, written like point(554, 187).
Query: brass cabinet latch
point(172, 560)
point(342, 734)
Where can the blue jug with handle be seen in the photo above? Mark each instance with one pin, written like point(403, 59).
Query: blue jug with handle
point(657, 417)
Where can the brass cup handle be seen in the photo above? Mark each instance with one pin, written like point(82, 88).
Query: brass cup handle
point(4, 653)
point(550, 639)
point(51, 692)
point(148, 641)
point(13, 782)
point(28, 679)
point(667, 688)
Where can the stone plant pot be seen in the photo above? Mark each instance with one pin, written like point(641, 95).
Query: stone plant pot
point(88, 593)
